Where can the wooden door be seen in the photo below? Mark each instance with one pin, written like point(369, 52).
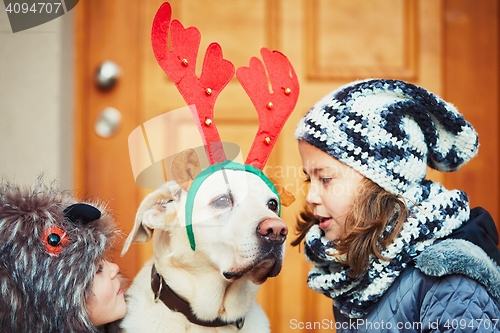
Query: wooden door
point(447, 46)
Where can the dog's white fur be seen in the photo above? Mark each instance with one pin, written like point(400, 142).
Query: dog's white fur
point(228, 209)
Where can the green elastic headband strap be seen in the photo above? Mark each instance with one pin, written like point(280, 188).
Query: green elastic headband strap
point(226, 165)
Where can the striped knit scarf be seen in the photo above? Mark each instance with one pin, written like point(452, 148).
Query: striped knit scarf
point(435, 214)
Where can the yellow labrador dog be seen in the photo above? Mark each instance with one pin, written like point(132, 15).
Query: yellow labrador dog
point(239, 243)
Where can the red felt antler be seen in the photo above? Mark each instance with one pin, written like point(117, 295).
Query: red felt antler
point(273, 107)
point(179, 64)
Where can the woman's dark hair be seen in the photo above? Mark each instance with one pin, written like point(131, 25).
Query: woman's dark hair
point(375, 219)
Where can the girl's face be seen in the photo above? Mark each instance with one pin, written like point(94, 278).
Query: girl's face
point(333, 187)
point(107, 303)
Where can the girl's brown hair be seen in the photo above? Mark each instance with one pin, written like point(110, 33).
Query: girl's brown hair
point(375, 219)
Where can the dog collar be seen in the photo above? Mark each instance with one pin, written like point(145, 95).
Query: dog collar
point(198, 180)
point(174, 302)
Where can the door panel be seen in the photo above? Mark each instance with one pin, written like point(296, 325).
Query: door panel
point(107, 30)
point(329, 42)
point(342, 48)
point(471, 74)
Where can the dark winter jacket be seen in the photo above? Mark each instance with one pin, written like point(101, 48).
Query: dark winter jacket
point(453, 287)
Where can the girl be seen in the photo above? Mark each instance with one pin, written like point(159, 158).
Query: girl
point(106, 303)
point(393, 250)
point(53, 273)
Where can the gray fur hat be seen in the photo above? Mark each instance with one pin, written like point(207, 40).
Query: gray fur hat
point(389, 131)
point(50, 245)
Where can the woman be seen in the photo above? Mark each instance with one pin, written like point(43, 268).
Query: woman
point(393, 250)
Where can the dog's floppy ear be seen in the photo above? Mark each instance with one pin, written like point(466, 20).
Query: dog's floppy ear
point(150, 216)
point(151, 213)
point(185, 167)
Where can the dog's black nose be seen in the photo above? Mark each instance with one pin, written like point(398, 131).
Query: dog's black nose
point(273, 230)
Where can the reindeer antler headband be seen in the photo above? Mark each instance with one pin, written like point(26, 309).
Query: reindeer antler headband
point(273, 107)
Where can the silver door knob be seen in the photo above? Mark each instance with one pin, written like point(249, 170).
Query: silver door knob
point(108, 122)
point(107, 74)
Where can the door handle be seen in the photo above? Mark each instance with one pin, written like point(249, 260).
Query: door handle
point(108, 122)
point(107, 75)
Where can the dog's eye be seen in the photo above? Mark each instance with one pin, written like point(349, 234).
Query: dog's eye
point(223, 201)
point(273, 205)
point(163, 202)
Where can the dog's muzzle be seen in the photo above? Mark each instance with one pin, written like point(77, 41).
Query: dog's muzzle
point(272, 230)
point(272, 235)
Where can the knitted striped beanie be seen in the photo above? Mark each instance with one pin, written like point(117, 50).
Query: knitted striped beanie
point(389, 131)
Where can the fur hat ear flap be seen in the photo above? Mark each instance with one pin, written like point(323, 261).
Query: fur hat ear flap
point(152, 214)
point(81, 213)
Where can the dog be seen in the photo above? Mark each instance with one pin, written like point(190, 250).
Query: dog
point(239, 244)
